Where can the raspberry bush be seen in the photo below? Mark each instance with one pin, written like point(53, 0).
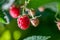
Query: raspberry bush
point(31, 19)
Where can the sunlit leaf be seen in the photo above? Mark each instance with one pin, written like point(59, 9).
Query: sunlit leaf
point(6, 35)
point(2, 20)
point(16, 35)
point(2, 28)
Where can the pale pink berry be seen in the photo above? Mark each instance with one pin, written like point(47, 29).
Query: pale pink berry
point(41, 9)
point(58, 25)
point(34, 22)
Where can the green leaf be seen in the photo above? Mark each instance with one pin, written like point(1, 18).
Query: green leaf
point(58, 12)
point(16, 35)
point(37, 38)
point(19, 2)
point(2, 20)
point(2, 28)
point(1, 13)
point(52, 6)
point(2, 2)
point(36, 3)
point(6, 35)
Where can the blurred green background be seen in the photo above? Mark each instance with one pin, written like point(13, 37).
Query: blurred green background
point(12, 32)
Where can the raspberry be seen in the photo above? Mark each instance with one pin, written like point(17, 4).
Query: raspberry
point(35, 22)
point(41, 9)
point(14, 11)
point(58, 25)
point(23, 22)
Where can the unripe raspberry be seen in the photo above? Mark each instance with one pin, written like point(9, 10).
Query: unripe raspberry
point(35, 22)
point(58, 24)
point(41, 9)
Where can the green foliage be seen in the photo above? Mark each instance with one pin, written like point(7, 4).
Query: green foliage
point(2, 28)
point(37, 3)
point(1, 2)
point(16, 35)
point(37, 38)
point(58, 11)
point(2, 19)
point(41, 29)
point(6, 35)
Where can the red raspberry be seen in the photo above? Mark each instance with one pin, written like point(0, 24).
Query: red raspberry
point(23, 22)
point(14, 11)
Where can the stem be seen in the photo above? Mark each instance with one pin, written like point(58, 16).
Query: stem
point(26, 2)
point(33, 17)
point(31, 14)
point(38, 16)
point(23, 11)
